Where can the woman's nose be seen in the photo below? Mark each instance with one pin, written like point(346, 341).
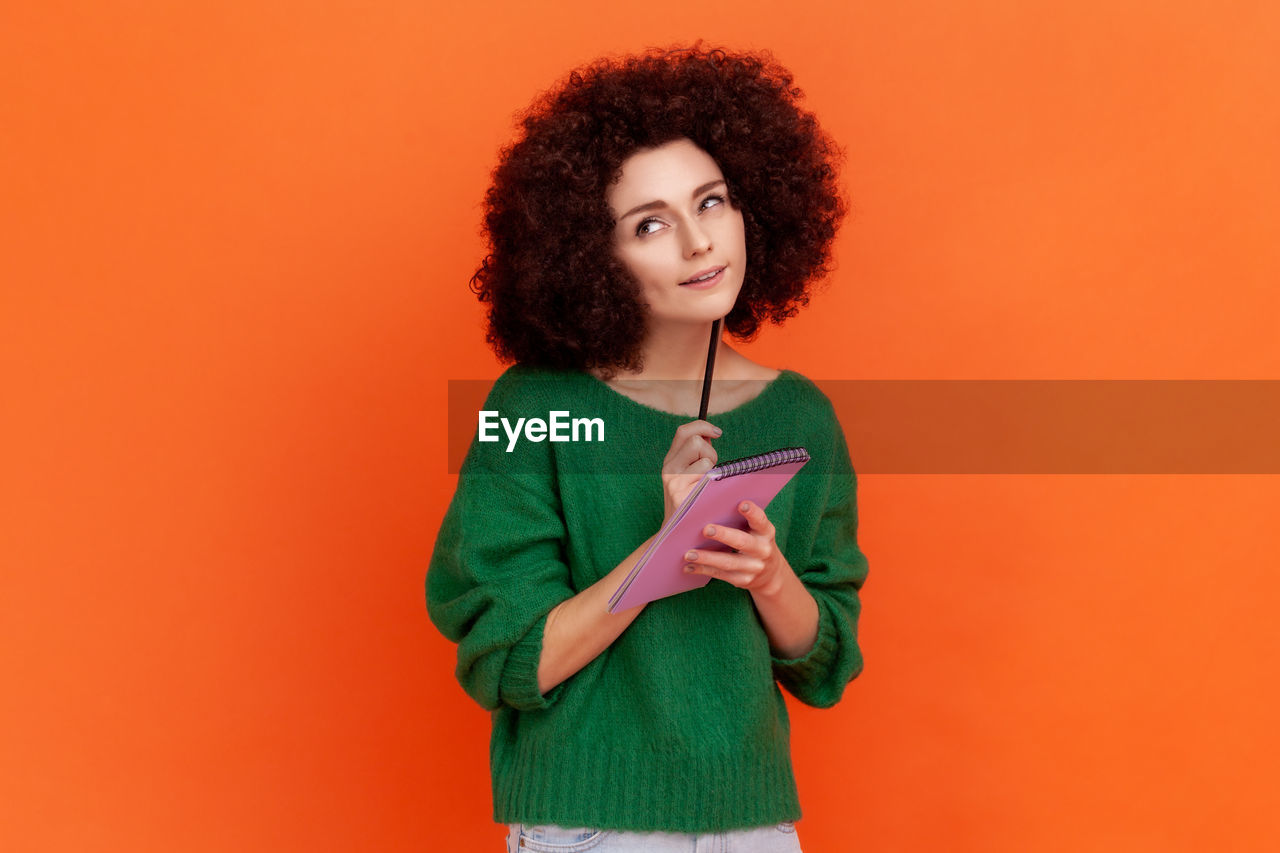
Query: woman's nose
point(696, 240)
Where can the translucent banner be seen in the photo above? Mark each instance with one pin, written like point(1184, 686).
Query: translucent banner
point(1011, 426)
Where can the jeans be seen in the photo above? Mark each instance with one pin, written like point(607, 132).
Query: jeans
point(526, 838)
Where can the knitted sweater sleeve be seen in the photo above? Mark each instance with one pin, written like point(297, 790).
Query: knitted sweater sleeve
point(498, 569)
point(826, 556)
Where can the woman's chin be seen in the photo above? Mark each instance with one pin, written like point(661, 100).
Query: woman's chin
point(716, 306)
point(699, 318)
point(708, 308)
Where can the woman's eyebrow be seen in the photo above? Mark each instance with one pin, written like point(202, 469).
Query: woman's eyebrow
point(657, 205)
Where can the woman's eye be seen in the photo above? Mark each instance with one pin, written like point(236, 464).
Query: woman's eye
point(711, 201)
point(648, 226)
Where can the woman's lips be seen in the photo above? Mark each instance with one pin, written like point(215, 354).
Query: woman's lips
point(698, 283)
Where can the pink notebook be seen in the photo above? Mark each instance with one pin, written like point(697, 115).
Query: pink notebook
point(714, 500)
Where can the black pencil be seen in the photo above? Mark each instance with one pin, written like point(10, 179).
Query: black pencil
point(711, 364)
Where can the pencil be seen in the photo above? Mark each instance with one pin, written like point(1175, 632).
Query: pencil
point(711, 364)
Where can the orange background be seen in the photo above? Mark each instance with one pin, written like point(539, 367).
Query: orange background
point(236, 243)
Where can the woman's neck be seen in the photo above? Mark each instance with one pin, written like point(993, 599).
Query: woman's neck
point(676, 352)
point(674, 364)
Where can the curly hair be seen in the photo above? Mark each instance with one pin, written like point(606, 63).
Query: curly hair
point(558, 297)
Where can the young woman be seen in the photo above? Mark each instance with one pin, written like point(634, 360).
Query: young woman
point(646, 198)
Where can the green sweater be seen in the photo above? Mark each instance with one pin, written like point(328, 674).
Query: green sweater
point(679, 724)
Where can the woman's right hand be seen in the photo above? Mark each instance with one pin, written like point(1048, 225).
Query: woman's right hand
point(691, 455)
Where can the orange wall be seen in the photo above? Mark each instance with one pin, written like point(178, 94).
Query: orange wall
point(236, 242)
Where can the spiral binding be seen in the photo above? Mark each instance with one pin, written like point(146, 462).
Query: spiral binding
point(772, 459)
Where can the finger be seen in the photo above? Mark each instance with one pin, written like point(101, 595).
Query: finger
point(681, 459)
point(684, 481)
point(682, 456)
point(742, 580)
point(738, 540)
point(703, 464)
point(756, 519)
point(703, 428)
point(717, 562)
point(695, 430)
point(690, 442)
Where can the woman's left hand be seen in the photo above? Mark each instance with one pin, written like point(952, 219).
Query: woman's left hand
point(756, 564)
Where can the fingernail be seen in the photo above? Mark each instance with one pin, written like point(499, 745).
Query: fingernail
point(711, 530)
point(717, 430)
point(688, 568)
point(744, 507)
point(691, 556)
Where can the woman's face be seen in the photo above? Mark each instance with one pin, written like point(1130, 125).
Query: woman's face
point(677, 233)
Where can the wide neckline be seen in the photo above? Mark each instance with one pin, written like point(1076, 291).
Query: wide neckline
point(769, 388)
